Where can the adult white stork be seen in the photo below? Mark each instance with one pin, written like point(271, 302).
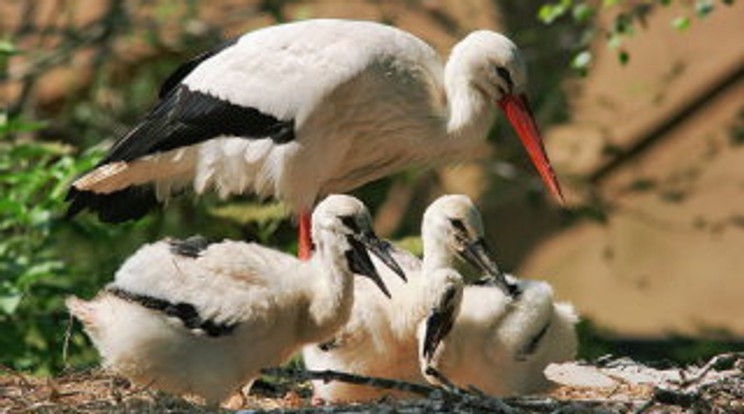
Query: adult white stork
point(200, 318)
point(379, 339)
point(309, 108)
point(498, 343)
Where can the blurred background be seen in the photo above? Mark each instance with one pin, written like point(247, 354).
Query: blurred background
point(641, 104)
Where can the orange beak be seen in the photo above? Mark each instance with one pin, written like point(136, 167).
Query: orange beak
point(517, 110)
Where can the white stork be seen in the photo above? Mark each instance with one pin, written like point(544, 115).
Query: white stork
point(304, 109)
point(199, 318)
point(498, 343)
point(380, 337)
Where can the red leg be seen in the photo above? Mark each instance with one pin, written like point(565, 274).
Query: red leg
point(305, 247)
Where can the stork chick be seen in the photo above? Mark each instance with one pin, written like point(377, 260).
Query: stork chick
point(380, 337)
point(199, 318)
point(499, 343)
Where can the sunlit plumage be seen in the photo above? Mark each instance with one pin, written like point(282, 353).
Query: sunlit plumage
point(304, 109)
point(380, 337)
point(199, 318)
point(501, 343)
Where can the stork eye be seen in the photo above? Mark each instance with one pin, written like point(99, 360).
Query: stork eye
point(350, 222)
point(461, 232)
point(505, 76)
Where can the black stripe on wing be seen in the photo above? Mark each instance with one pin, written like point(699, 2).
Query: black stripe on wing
point(186, 117)
point(130, 203)
point(191, 247)
point(186, 312)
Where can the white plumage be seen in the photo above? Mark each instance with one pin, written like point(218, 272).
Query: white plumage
point(501, 344)
point(193, 317)
point(305, 109)
point(380, 337)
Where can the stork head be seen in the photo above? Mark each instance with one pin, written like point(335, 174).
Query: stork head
point(492, 65)
point(345, 216)
point(452, 224)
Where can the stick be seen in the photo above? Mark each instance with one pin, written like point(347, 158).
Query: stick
point(297, 375)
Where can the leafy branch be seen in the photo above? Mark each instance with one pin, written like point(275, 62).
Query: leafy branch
point(627, 16)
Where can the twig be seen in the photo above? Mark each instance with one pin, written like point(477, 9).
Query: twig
point(297, 375)
point(444, 381)
point(66, 342)
point(715, 362)
point(459, 398)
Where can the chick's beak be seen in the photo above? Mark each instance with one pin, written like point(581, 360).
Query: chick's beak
point(381, 249)
point(517, 110)
point(361, 264)
point(478, 254)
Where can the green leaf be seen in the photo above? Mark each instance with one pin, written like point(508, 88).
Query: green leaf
point(9, 302)
point(615, 41)
point(412, 244)
point(244, 213)
point(681, 23)
point(11, 207)
point(623, 57)
point(549, 13)
point(9, 124)
point(703, 8)
point(609, 3)
point(623, 24)
point(38, 271)
point(582, 13)
point(582, 60)
point(7, 48)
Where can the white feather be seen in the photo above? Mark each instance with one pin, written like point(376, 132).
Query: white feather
point(380, 337)
point(486, 346)
point(277, 303)
point(367, 100)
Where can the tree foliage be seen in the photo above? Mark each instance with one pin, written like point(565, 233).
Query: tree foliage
point(623, 19)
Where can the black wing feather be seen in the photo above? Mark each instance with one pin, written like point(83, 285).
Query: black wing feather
point(128, 204)
point(185, 117)
point(182, 117)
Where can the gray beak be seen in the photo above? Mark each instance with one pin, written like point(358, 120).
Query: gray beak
point(360, 262)
point(478, 255)
point(381, 249)
point(439, 323)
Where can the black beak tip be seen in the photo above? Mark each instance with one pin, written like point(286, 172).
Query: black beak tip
point(387, 293)
point(381, 285)
point(400, 273)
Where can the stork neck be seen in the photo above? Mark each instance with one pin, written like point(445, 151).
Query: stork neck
point(471, 115)
point(332, 293)
point(437, 254)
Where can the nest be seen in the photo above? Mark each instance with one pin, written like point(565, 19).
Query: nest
point(606, 386)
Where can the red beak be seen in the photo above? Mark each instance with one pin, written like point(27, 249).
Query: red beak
point(517, 110)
